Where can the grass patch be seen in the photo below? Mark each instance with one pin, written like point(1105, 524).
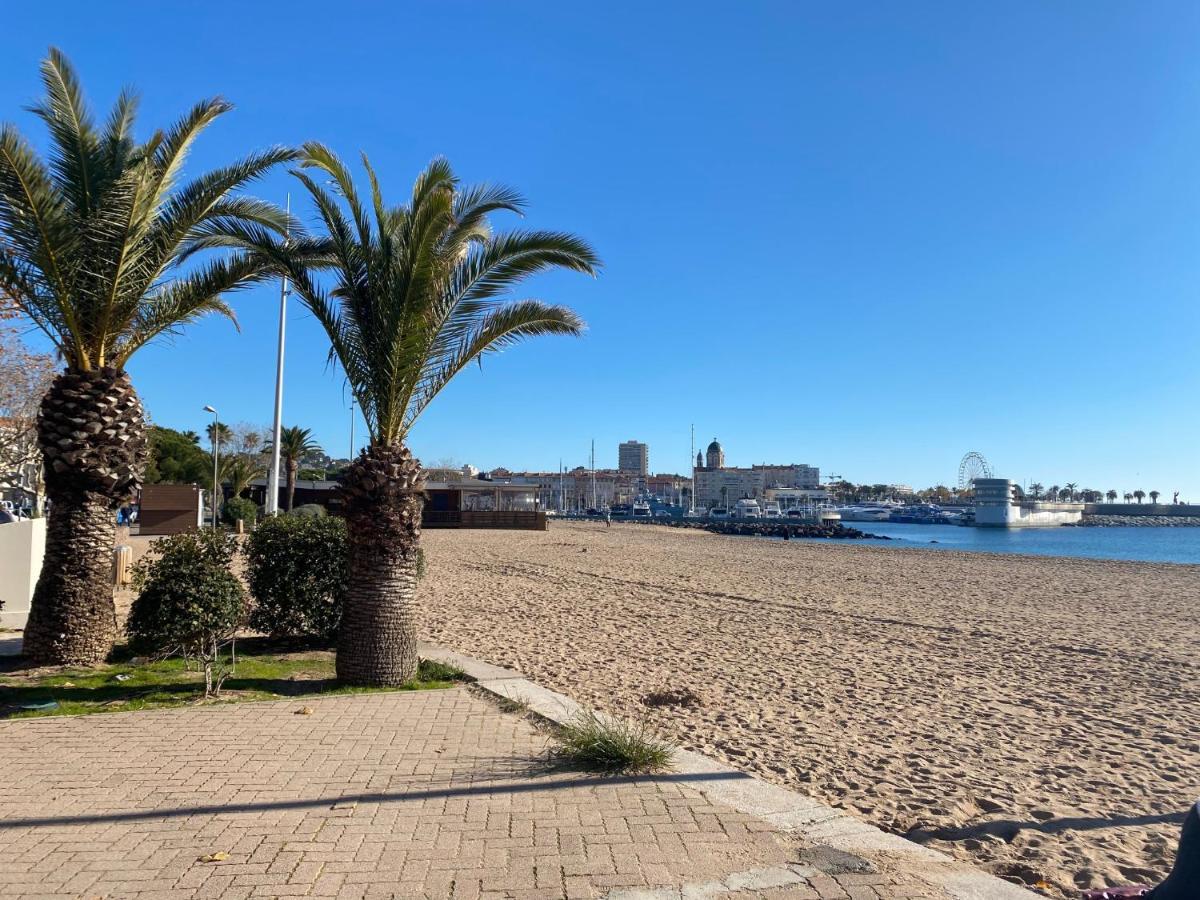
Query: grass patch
point(612, 745)
point(432, 670)
point(133, 685)
point(512, 704)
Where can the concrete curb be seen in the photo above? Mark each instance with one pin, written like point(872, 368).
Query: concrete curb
point(787, 810)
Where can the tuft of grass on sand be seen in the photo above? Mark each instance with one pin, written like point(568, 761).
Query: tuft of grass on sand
point(609, 745)
point(157, 684)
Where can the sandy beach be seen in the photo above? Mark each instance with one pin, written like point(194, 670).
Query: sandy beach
point(1038, 716)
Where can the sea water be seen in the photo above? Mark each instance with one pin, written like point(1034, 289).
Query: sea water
point(1180, 544)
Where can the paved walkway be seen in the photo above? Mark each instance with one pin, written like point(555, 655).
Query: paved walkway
point(427, 794)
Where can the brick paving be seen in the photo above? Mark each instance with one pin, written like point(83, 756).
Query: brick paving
point(424, 794)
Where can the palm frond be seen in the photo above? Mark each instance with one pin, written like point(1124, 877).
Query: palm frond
point(418, 294)
point(97, 235)
point(500, 328)
point(117, 139)
point(189, 298)
point(75, 147)
point(41, 234)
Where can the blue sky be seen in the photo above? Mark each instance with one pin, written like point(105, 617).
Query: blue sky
point(865, 236)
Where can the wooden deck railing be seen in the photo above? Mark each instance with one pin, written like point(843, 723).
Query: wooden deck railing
point(468, 518)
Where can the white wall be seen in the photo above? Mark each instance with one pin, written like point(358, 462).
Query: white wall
point(22, 546)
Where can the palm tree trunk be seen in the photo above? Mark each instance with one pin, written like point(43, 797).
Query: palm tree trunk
point(72, 620)
point(383, 499)
point(93, 437)
point(292, 467)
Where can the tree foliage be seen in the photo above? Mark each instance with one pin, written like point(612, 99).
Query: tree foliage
point(189, 601)
point(177, 458)
point(96, 235)
point(297, 569)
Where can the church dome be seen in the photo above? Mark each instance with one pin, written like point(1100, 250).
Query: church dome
point(715, 456)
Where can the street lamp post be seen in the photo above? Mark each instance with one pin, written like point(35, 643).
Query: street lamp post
point(273, 477)
point(216, 442)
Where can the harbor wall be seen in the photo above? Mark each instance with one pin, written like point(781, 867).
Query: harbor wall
point(1142, 509)
point(1028, 515)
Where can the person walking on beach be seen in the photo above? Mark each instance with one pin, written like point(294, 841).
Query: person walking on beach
point(608, 518)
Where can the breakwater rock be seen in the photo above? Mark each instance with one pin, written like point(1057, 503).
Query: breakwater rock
point(785, 530)
point(1144, 521)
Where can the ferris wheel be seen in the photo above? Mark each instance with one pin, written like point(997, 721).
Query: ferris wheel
point(973, 466)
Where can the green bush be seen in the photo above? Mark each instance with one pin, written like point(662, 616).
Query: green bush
point(309, 511)
point(239, 508)
point(189, 600)
point(296, 567)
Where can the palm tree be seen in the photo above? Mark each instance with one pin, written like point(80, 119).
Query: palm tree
point(223, 431)
point(419, 293)
point(1128, 496)
point(1052, 492)
point(92, 239)
point(1070, 489)
point(1154, 495)
point(1035, 490)
point(294, 444)
point(1139, 495)
point(240, 471)
point(1112, 496)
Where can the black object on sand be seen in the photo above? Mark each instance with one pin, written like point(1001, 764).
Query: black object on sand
point(1184, 881)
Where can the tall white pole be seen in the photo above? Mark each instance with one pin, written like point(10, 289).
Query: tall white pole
point(594, 474)
point(273, 481)
point(351, 429)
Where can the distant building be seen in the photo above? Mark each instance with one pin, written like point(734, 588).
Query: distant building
point(633, 458)
point(720, 485)
point(724, 487)
point(794, 475)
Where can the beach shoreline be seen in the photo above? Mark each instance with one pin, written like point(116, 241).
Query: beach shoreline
point(1038, 716)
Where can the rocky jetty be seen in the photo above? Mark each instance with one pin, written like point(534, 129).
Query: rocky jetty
point(785, 530)
point(1100, 521)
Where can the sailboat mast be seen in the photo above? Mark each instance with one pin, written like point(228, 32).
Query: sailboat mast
point(692, 457)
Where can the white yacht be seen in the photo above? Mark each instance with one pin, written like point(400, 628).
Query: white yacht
point(864, 513)
point(747, 509)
